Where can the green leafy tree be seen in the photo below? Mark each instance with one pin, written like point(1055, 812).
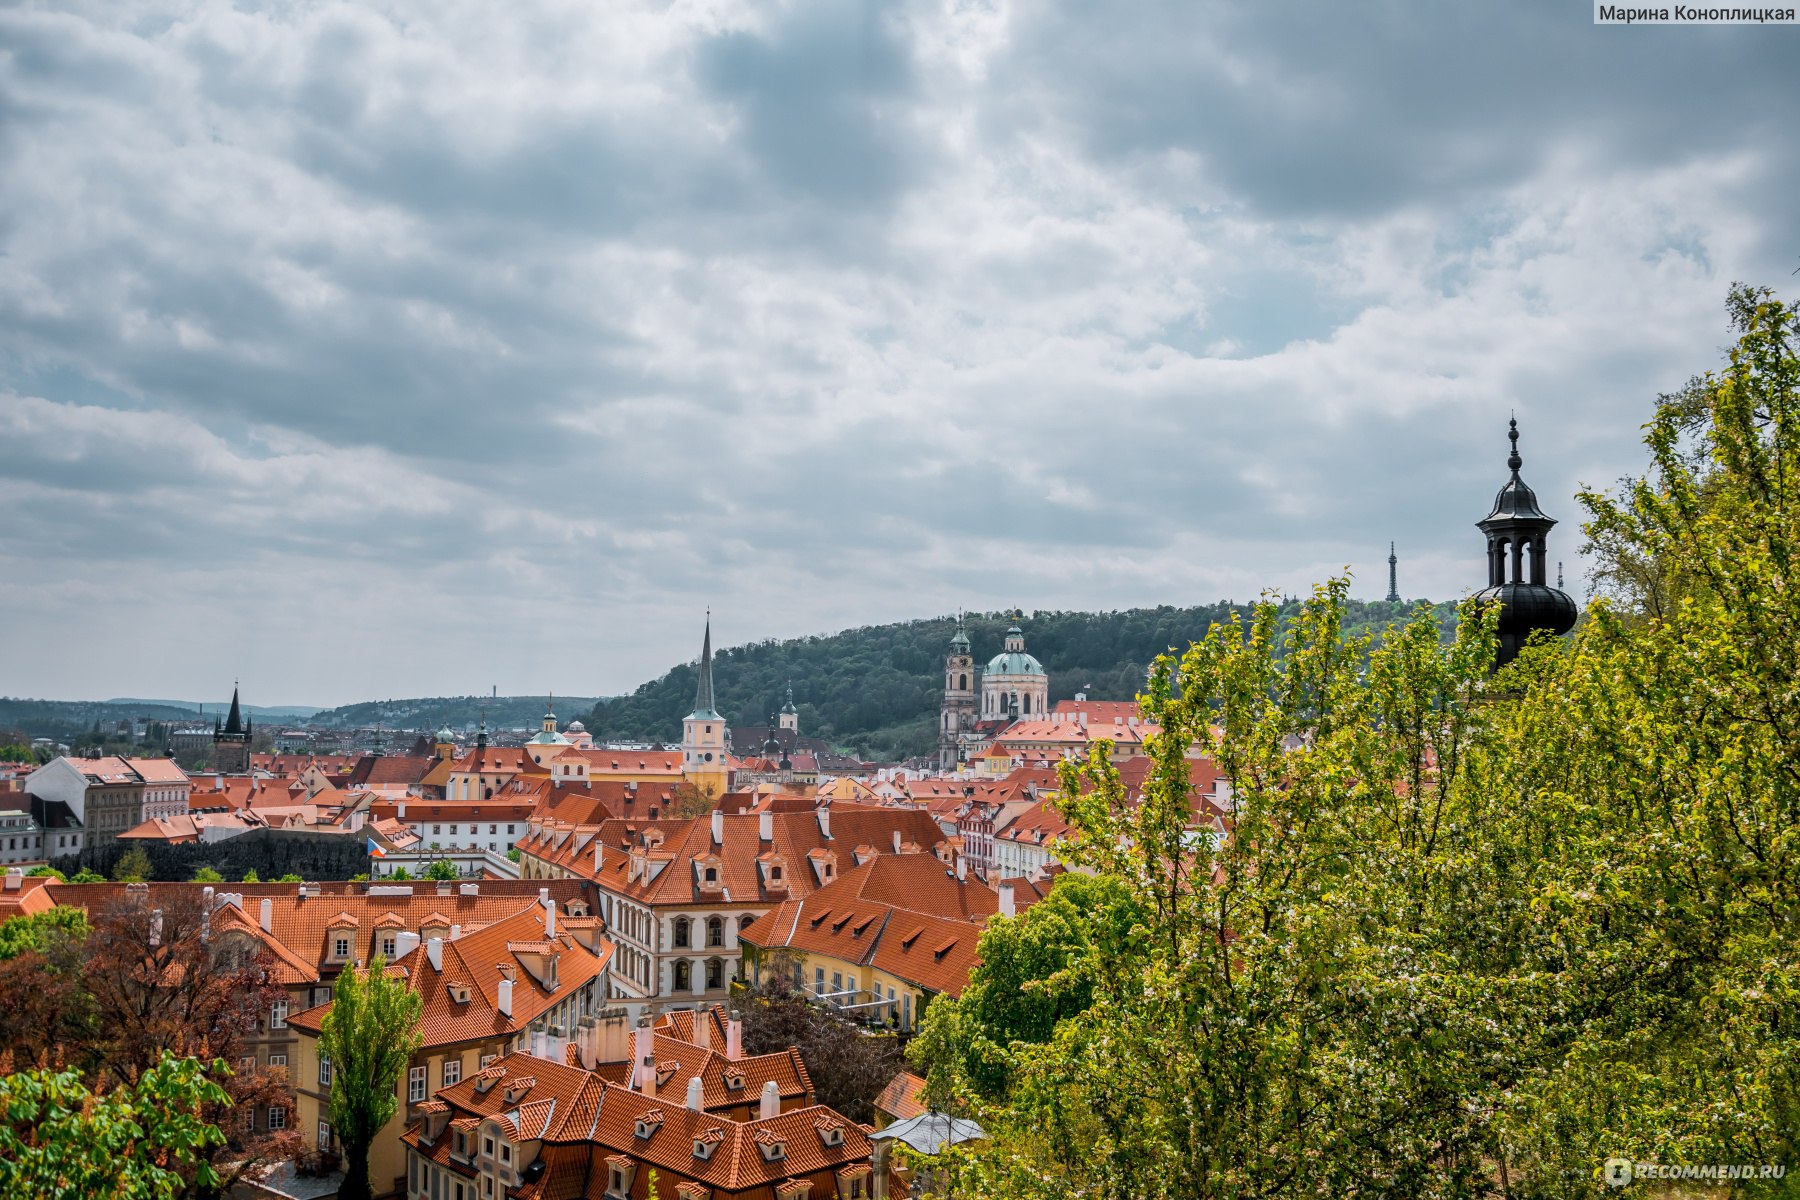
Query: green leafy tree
point(133, 866)
point(290, 877)
point(86, 876)
point(370, 1034)
point(207, 875)
point(1036, 970)
point(60, 1141)
point(49, 871)
point(442, 869)
point(39, 931)
point(848, 1066)
point(250, 876)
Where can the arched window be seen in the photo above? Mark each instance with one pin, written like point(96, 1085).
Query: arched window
point(682, 926)
point(684, 975)
point(715, 931)
point(715, 973)
point(1027, 703)
point(962, 683)
point(744, 922)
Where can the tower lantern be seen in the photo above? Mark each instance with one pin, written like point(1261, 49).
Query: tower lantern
point(1517, 531)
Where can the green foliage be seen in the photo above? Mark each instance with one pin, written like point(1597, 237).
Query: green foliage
point(290, 877)
point(61, 1142)
point(877, 689)
point(442, 869)
point(49, 871)
point(513, 855)
point(370, 1034)
point(133, 866)
point(1036, 970)
point(400, 873)
point(251, 876)
point(1472, 933)
point(39, 931)
point(86, 876)
point(17, 752)
point(207, 875)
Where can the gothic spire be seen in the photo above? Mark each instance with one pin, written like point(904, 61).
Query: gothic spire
point(235, 722)
point(703, 694)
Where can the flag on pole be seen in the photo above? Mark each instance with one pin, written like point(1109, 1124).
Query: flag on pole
point(375, 850)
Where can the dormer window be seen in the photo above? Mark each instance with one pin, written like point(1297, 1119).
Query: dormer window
point(340, 945)
point(620, 1170)
point(773, 1149)
point(459, 992)
point(734, 1079)
point(646, 1125)
point(831, 1132)
point(706, 1143)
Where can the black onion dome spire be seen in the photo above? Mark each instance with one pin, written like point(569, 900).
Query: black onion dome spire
point(1517, 531)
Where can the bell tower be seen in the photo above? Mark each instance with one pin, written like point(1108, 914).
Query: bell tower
point(957, 713)
point(703, 753)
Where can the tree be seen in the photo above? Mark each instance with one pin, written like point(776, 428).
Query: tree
point(690, 801)
point(370, 1034)
point(290, 877)
point(86, 876)
point(442, 869)
point(133, 866)
point(161, 979)
point(848, 1067)
point(1035, 971)
point(206, 874)
point(60, 1141)
point(49, 871)
point(250, 876)
point(38, 931)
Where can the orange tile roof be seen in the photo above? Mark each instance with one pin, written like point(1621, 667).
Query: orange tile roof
point(903, 1097)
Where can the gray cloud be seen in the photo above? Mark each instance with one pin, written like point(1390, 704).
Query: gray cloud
point(362, 350)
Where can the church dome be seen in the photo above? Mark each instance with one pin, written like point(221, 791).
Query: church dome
point(444, 736)
point(1525, 607)
point(1015, 662)
point(576, 727)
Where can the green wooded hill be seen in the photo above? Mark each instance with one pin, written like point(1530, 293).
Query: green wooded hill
point(461, 713)
point(875, 691)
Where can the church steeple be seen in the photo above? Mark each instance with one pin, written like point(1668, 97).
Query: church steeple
point(1393, 596)
point(1517, 534)
point(234, 723)
point(703, 694)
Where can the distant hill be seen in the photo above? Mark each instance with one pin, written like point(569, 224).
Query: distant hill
point(459, 712)
point(278, 712)
point(875, 691)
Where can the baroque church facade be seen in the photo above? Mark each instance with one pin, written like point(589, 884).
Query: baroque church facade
point(978, 702)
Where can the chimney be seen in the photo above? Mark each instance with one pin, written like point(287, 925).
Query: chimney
point(962, 868)
point(734, 1036)
point(765, 825)
point(267, 920)
point(896, 841)
point(703, 1028)
point(825, 821)
point(771, 1101)
point(644, 1054)
point(15, 878)
point(504, 1001)
point(434, 950)
point(455, 932)
point(1084, 719)
point(400, 811)
point(405, 942)
point(697, 1094)
point(718, 823)
point(1006, 900)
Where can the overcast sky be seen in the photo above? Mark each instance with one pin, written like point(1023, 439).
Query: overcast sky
point(397, 349)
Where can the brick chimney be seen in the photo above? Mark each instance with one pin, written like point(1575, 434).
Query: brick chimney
point(1006, 901)
point(645, 1057)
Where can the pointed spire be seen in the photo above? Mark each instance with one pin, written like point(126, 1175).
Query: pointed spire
point(703, 694)
point(235, 722)
point(1393, 596)
point(481, 734)
point(1513, 460)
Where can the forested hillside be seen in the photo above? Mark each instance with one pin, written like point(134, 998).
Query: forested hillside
point(459, 712)
point(875, 690)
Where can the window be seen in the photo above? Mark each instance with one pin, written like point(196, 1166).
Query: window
point(340, 946)
point(324, 1078)
point(715, 930)
point(509, 829)
point(278, 1060)
point(277, 1117)
point(452, 1071)
point(324, 1135)
point(818, 981)
point(278, 1014)
point(715, 973)
point(837, 981)
point(681, 931)
point(437, 829)
point(684, 974)
point(493, 829)
point(487, 1146)
point(387, 946)
point(487, 1060)
point(415, 1085)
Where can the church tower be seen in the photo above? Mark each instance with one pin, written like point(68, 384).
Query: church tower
point(790, 716)
point(1015, 685)
point(1516, 532)
point(231, 741)
point(703, 749)
point(957, 714)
